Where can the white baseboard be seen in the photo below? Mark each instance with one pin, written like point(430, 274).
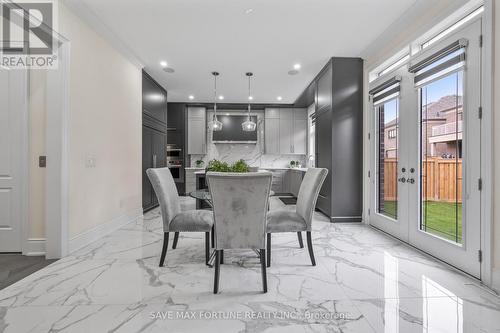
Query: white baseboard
point(495, 280)
point(35, 247)
point(90, 236)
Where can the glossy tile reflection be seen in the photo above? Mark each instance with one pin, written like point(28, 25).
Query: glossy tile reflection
point(364, 282)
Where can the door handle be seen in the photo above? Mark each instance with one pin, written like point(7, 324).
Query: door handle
point(154, 161)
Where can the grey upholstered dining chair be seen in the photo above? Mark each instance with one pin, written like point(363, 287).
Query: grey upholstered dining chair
point(173, 219)
point(240, 202)
point(301, 219)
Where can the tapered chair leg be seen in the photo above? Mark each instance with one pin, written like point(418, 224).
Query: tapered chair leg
point(310, 248)
point(263, 268)
point(207, 247)
point(164, 250)
point(217, 271)
point(222, 257)
point(176, 239)
point(268, 250)
point(301, 243)
point(213, 237)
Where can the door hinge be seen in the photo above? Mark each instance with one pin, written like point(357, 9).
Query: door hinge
point(480, 256)
point(369, 136)
point(369, 174)
point(480, 184)
point(480, 40)
point(480, 112)
point(369, 211)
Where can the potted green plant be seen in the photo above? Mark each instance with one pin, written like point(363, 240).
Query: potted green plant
point(219, 166)
point(292, 164)
point(199, 163)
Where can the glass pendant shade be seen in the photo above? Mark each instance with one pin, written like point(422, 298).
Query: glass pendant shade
point(249, 125)
point(215, 123)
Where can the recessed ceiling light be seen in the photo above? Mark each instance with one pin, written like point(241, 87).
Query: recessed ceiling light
point(191, 97)
point(168, 70)
point(279, 98)
point(249, 11)
point(221, 97)
point(296, 66)
point(250, 98)
point(163, 63)
point(293, 72)
point(227, 114)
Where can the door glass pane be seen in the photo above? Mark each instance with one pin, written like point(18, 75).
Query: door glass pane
point(441, 158)
point(388, 123)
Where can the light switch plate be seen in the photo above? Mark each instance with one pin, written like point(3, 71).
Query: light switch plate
point(42, 161)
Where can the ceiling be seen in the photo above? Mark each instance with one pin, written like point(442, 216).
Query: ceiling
point(266, 37)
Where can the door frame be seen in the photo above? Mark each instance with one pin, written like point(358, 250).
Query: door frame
point(24, 174)
point(488, 276)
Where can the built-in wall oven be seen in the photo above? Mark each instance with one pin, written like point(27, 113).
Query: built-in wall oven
point(175, 162)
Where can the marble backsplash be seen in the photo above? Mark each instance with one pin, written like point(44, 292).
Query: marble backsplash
point(253, 154)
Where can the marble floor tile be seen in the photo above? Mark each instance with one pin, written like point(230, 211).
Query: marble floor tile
point(364, 281)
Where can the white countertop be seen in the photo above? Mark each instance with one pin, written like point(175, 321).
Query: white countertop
point(194, 168)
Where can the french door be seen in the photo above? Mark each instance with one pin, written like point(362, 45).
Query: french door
point(427, 151)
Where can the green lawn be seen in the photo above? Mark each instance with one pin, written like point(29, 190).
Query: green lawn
point(438, 218)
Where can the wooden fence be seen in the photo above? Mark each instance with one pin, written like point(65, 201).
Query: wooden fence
point(442, 179)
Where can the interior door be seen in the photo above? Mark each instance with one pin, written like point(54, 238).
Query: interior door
point(13, 89)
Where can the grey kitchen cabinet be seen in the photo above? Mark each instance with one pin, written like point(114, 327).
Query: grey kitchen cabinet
point(197, 131)
point(295, 180)
point(154, 135)
point(286, 134)
point(339, 138)
point(280, 183)
point(191, 179)
point(285, 131)
point(272, 136)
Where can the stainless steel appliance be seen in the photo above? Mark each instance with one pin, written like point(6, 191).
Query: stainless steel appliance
point(175, 162)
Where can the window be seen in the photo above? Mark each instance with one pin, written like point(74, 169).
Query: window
point(395, 65)
point(452, 28)
point(388, 118)
point(441, 161)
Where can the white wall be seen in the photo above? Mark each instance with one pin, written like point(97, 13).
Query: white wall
point(104, 125)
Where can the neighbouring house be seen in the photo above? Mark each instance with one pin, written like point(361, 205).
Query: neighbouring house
point(441, 126)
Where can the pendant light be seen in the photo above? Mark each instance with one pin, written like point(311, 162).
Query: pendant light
point(215, 124)
point(249, 125)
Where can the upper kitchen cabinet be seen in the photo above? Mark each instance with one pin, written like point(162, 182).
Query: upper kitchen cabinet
point(197, 131)
point(154, 100)
point(324, 91)
point(299, 144)
point(285, 131)
point(272, 131)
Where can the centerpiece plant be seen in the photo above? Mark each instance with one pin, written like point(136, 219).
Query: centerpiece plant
point(219, 166)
